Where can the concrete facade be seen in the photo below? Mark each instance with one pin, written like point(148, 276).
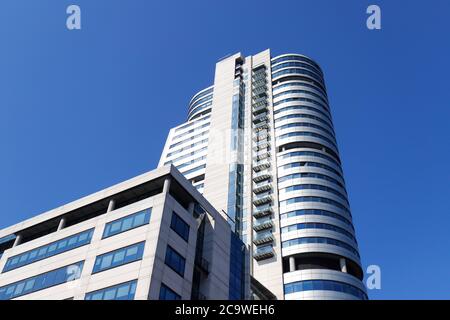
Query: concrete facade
point(274, 173)
point(163, 191)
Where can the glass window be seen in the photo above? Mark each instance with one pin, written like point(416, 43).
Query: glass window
point(123, 291)
point(42, 281)
point(49, 250)
point(179, 226)
point(119, 257)
point(175, 261)
point(165, 293)
point(127, 223)
point(327, 285)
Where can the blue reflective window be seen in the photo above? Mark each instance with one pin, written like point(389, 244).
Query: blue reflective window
point(314, 199)
point(304, 83)
point(42, 281)
point(327, 285)
point(185, 156)
point(123, 291)
point(165, 293)
point(306, 134)
point(304, 212)
point(179, 226)
point(49, 250)
point(314, 187)
point(203, 166)
point(322, 240)
point(301, 115)
point(175, 261)
point(317, 225)
point(299, 92)
point(237, 268)
point(119, 257)
point(187, 147)
point(127, 223)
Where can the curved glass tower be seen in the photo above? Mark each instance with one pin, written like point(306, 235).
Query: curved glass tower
point(260, 145)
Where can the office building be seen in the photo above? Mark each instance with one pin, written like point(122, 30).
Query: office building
point(260, 145)
point(151, 237)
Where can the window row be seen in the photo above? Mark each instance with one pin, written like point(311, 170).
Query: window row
point(186, 156)
point(191, 131)
point(49, 250)
point(127, 223)
point(319, 212)
point(308, 154)
point(301, 115)
point(185, 164)
point(314, 187)
point(42, 281)
point(123, 291)
point(317, 225)
point(298, 64)
point(190, 124)
point(307, 134)
point(306, 125)
point(311, 164)
point(204, 133)
point(295, 58)
point(193, 104)
point(201, 95)
point(77, 240)
point(119, 257)
point(297, 71)
point(187, 147)
point(326, 285)
point(203, 166)
point(314, 199)
point(309, 84)
point(303, 100)
point(200, 108)
point(309, 108)
point(310, 175)
point(300, 92)
point(319, 240)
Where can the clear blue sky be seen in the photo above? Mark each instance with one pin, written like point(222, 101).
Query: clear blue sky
point(81, 110)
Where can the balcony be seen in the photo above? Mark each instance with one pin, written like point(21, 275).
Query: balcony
point(259, 109)
point(264, 144)
point(263, 224)
point(260, 104)
point(261, 155)
point(259, 99)
point(261, 135)
point(260, 90)
point(259, 75)
point(261, 187)
point(262, 198)
point(260, 84)
point(263, 253)
point(260, 118)
point(261, 126)
point(262, 211)
point(263, 238)
point(261, 165)
point(261, 176)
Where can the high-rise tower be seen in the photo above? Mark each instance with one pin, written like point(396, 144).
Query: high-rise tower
point(260, 145)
